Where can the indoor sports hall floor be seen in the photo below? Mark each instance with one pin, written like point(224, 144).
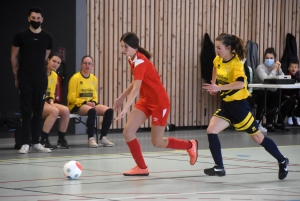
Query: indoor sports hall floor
point(251, 173)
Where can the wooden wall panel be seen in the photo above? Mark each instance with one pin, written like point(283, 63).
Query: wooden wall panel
point(173, 31)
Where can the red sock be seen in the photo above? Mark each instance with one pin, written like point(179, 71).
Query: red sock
point(136, 153)
point(175, 143)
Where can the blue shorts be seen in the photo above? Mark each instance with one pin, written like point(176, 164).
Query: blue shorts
point(239, 114)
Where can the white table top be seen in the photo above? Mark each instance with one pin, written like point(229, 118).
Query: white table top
point(278, 86)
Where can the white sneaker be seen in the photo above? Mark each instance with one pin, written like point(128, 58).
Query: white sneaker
point(92, 142)
point(105, 142)
point(298, 120)
point(262, 129)
point(24, 149)
point(40, 148)
point(290, 120)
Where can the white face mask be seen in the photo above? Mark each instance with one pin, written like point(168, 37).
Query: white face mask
point(269, 62)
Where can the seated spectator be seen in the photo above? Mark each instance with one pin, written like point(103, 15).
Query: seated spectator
point(293, 95)
point(269, 68)
point(83, 100)
point(253, 99)
point(52, 110)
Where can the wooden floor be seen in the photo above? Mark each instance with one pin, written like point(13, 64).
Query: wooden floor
point(251, 173)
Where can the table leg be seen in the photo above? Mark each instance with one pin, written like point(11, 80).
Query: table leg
point(264, 112)
point(279, 113)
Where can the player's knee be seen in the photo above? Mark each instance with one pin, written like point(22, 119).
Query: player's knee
point(257, 137)
point(126, 130)
point(54, 112)
point(210, 130)
point(157, 142)
point(64, 112)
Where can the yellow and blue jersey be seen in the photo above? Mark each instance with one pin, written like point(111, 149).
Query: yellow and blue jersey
point(229, 72)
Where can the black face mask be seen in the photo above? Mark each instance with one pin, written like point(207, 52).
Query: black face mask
point(34, 24)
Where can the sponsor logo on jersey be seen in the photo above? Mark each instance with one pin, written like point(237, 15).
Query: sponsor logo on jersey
point(155, 119)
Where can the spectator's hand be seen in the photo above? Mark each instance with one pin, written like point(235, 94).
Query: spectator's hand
point(277, 66)
point(92, 104)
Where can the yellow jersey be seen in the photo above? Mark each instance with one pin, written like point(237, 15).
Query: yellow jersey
point(229, 72)
point(52, 81)
point(82, 89)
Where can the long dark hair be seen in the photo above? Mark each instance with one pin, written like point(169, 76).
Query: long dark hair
point(133, 41)
point(236, 44)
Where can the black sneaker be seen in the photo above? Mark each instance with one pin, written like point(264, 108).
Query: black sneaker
point(47, 144)
point(214, 171)
point(283, 169)
point(63, 144)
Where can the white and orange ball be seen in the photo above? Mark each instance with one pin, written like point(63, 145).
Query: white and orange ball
point(72, 170)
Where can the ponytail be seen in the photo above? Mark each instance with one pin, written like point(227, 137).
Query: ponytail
point(145, 52)
point(236, 44)
point(239, 47)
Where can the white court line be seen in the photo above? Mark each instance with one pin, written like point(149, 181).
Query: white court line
point(128, 153)
point(205, 192)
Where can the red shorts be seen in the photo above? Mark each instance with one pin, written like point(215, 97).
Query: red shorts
point(159, 116)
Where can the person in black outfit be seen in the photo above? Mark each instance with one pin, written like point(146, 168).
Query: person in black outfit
point(33, 46)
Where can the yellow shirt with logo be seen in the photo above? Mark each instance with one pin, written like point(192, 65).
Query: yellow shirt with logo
point(229, 72)
point(52, 81)
point(82, 89)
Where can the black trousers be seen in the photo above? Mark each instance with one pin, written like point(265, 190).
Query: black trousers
point(32, 93)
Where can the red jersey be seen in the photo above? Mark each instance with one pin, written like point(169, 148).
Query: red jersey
point(152, 92)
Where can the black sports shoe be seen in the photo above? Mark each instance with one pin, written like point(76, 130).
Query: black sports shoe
point(47, 144)
point(283, 169)
point(63, 144)
point(214, 171)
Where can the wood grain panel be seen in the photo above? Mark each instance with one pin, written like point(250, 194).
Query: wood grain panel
point(173, 31)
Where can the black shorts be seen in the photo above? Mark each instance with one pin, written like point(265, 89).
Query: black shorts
point(239, 114)
point(74, 109)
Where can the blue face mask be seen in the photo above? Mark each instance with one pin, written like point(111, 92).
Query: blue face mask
point(269, 62)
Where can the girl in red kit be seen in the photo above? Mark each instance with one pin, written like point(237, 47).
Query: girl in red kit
point(154, 101)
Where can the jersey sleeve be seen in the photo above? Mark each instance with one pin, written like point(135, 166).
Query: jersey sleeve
point(72, 92)
point(95, 98)
point(52, 86)
point(215, 62)
point(139, 71)
point(239, 73)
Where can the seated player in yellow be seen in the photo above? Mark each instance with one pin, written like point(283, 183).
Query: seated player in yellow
point(52, 110)
point(83, 100)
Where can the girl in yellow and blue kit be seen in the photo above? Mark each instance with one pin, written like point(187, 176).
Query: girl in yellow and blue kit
point(229, 79)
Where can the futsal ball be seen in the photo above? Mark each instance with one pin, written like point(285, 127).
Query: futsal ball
point(72, 170)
